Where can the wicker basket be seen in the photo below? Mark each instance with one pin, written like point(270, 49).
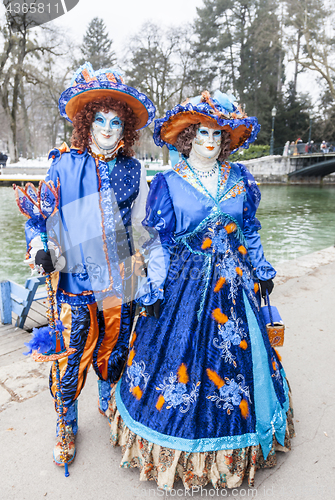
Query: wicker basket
point(276, 334)
point(274, 324)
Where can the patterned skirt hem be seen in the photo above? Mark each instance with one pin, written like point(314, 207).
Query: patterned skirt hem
point(223, 468)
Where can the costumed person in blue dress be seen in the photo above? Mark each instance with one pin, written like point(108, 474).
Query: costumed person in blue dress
point(102, 195)
point(203, 397)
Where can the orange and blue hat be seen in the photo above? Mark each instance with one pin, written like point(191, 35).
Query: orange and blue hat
point(88, 85)
point(218, 112)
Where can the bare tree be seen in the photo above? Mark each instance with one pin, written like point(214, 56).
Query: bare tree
point(158, 64)
point(315, 41)
point(22, 48)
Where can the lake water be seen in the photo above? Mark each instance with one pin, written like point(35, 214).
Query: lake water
point(296, 220)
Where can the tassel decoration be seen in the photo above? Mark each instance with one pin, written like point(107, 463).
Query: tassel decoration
point(43, 341)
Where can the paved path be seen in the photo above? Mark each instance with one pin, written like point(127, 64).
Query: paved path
point(306, 300)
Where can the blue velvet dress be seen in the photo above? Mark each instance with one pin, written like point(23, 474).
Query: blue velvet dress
point(203, 377)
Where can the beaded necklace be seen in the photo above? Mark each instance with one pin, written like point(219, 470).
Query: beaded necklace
point(199, 180)
point(207, 173)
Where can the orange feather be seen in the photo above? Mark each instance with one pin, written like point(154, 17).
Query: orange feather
point(206, 243)
point(182, 374)
point(131, 357)
point(230, 228)
point(242, 249)
point(160, 402)
point(239, 271)
point(243, 344)
point(219, 284)
point(256, 287)
point(136, 391)
point(219, 316)
point(244, 408)
point(133, 339)
point(215, 378)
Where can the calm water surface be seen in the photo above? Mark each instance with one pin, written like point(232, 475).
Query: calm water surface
point(296, 220)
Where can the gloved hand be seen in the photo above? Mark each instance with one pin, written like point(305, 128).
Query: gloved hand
point(266, 286)
point(46, 260)
point(153, 309)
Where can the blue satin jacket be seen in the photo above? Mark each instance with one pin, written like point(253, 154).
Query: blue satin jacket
point(93, 224)
point(178, 204)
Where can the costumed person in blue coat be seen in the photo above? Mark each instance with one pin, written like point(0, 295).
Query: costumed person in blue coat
point(203, 397)
point(102, 195)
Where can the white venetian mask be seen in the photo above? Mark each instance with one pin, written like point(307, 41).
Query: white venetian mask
point(207, 142)
point(107, 130)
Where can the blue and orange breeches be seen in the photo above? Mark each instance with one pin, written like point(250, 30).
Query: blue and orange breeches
point(100, 337)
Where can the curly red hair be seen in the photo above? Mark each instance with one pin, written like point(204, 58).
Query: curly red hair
point(83, 120)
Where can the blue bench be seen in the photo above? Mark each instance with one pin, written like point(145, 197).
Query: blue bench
point(17, 299)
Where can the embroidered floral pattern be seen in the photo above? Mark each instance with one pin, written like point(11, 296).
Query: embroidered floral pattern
point(175, 393)
point(220, 241)
point(79, 271)
point(231, 333)
point(136, 375)
point(239, 188)
point(88, 270)
point(231, 394)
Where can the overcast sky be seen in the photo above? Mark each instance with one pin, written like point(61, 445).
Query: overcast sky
point(125, 17)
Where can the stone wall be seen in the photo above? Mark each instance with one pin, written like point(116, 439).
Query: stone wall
point(275, 169)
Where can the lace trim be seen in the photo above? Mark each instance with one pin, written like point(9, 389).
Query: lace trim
point(222, 468)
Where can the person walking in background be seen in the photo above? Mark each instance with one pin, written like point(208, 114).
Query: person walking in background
point(324, 147)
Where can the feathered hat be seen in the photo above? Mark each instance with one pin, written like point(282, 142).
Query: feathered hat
point(218, 112)
point(88, 85)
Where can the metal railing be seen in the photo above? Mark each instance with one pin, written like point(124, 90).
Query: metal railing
point(301, 148)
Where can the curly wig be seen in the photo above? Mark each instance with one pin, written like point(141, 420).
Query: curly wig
point(184, 140)
point(83, 120)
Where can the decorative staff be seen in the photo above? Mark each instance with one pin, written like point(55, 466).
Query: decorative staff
point(47, 343)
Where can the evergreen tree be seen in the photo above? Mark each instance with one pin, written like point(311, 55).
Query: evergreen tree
point(97, 46)
point(263, 55)
point(292, 120)
point(239, 48)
